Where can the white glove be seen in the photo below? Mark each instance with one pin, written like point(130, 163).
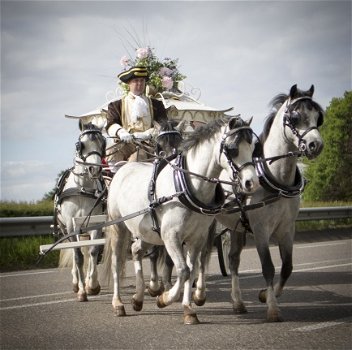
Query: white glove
point(124, 135)
point(142, 135)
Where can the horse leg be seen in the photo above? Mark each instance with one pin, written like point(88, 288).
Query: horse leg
point(167, 271)
point(199, 295)
point(79, 259)
point(74, 273)
point(118, 238)
point(92, 283)
point(154, 288)
point(238, 239)
point(189, 314)
point(174, 248)
point(268, 295)
point(286, 267)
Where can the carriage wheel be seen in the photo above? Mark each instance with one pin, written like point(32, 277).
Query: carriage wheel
point(222, 242)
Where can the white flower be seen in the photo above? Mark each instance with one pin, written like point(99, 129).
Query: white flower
point(142, 52)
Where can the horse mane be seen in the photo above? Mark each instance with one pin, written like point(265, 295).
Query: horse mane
point(201, 134)
point(207, 131)
point(169, 125)
point(89, 126)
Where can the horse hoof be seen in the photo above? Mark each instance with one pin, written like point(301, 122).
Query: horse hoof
point(155, 293)
point(198, 301)
point(75, 287)
point(262, 296)
point(82, 297)
point(160, 302)
point(93, 291)
point(119, 310)
point(190, 319)
point(137, 305)
point(239, 309)
point(275, 318)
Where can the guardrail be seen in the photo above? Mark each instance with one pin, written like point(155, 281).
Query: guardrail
point(40, 225)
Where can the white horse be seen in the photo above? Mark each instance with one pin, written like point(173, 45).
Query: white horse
point(81, 194)
point(187, 189)
point(290, 130)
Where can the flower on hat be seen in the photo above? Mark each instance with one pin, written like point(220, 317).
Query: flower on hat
point(142, 53)
point(163, 74)
point(164, 71)
point(167, 83)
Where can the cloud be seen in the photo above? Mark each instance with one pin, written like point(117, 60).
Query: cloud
point(27, 180)
point(63, 57)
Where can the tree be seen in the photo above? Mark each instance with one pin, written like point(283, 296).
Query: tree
point(50, 195)
point(329, 175)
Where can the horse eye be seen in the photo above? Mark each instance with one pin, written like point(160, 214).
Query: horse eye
point(232, 150)
point(295, 117)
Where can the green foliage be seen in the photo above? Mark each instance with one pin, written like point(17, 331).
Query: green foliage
point(18, 253)
point(329, 175)
point(20, 209)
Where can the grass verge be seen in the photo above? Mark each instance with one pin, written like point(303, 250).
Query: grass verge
point(20, 253)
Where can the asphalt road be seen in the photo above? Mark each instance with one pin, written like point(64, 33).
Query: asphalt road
point(39, 311)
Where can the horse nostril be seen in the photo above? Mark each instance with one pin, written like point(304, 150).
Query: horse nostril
point(92, 170)
point(312, 146)
point(248, 185)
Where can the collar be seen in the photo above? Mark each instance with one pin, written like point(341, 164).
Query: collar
point(188, 199)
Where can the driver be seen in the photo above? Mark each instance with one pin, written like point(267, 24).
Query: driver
point(133, 117)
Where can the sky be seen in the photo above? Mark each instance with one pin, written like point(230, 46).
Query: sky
point(63, 57)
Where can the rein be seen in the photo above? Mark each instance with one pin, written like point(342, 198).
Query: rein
point(275, 158)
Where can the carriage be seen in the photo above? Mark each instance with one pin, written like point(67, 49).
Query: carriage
point(183, 107)
point(290, 131)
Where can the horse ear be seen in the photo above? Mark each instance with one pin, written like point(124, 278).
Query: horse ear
point(235, 122)
point(249, 121)
point(157, 125)
point(293, 91)
point(311, 91)
point(80, 125)
point(180, 126)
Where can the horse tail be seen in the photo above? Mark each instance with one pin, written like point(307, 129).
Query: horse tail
point(210, 243)
point(111, 233)
point(162, 253)
point(66, 256)
point(65, 259)
point(105, 273)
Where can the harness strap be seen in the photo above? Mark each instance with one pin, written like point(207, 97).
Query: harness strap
point(158, 165)
point(271, 185)
point(188, 199)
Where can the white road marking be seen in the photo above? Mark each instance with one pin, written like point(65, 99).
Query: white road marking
point(35, 296)
point(21, 274)
point(322, 325)
point(51, 302)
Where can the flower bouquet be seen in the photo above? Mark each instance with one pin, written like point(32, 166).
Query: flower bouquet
point(163, 74)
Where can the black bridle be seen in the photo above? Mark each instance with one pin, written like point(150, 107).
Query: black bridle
point(79, 151)
point(79, 145)
point(224, 148)
point(292, 118)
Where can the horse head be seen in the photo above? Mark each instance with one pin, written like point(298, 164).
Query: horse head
point(169, 137)
point(90, 149)
point(301, 119)
point(237, 146)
